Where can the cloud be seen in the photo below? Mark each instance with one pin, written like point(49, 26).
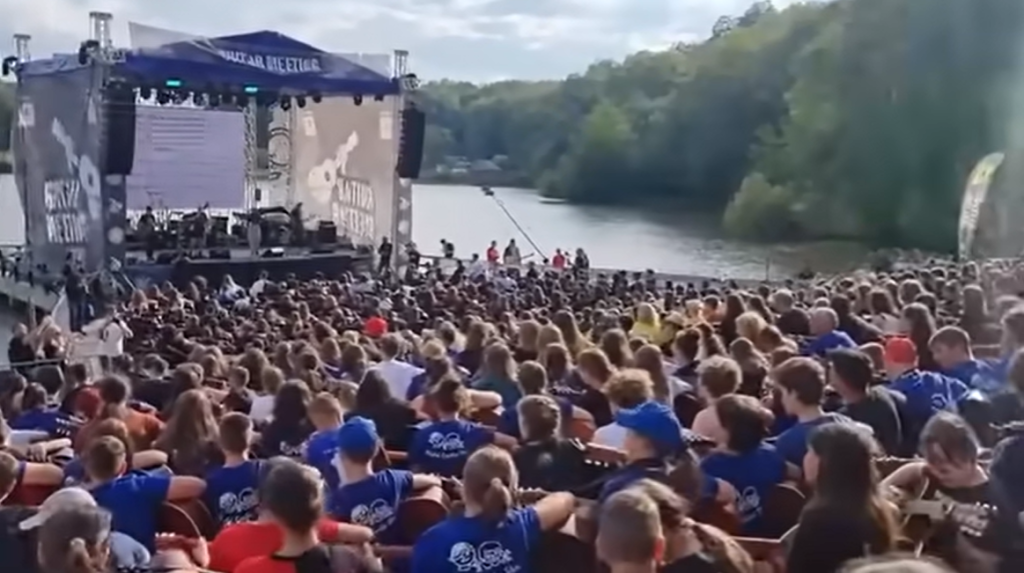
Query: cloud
point(463, 39)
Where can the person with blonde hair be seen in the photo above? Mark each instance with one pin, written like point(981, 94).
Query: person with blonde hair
point(471, 541)
point(647, 324)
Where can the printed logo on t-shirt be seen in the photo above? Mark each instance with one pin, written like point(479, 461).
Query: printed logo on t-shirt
point(487, 556)
point(237, 508)
point(940, 402)
point(446, 446)
point(296, 451)
point(377, 515)
point(748, 503)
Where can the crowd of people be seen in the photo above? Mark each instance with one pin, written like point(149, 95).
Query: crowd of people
point(653, 423)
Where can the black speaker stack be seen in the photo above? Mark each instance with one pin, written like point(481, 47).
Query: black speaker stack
point(410, 144)
point(119, 130)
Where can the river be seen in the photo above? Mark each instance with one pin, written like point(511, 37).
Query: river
point(669, 240)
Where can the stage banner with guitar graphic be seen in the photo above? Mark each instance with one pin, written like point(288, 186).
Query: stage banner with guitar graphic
point(342, 158)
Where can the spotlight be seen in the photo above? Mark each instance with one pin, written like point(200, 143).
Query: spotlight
point(163, 97)
point(197, 98)
point(145, 92)
point(300, 101)
point(10, 62)
point(85, 50)
point(285, 103)
point(378, 97)
point(358, 100)
point(317, 98)
point(213, 99)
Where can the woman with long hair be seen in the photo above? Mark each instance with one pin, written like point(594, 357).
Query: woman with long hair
point(490, 519)
point(477, 336)
point(526, 347)
point(753, 365)
point(574, 339)
point(498, 374)
point(919, 325)
point(287, 432)
point(595, 370)
point(650, 359)
point(734, 308)
point(393, 416)
point(615, 346)
point(190, 438)
point(847, 517)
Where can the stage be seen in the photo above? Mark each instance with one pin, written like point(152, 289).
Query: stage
point(245, 268)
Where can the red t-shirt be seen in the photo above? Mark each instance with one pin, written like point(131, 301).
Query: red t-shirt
point(492, 255)
point(241, 541)
point(558, 262)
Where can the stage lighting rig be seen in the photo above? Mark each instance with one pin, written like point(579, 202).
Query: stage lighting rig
point(378, 97)
point(300, 101)
point(164, 97)
point(86, 50)
point(285, 103)
point(357, 99)
point(317, 98)
point(10, 62)
point(197, 98)
point(145, 92)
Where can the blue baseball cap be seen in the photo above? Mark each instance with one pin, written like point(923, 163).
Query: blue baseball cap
point(358, 435)
point(656, 422)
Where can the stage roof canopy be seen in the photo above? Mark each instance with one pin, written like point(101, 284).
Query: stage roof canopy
point(266, 60)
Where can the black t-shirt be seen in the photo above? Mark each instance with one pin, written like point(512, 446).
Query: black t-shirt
point(156, 393)
point(794, 322)
point(878, 410)
point(552, 465)
point(281, 439)
point(17, 547)
point(395, 422)
point(595, 402)
point(827, 537)
point(985, 518)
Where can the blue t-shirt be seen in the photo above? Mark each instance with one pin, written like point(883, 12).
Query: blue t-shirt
point(651, 469)
point(373, 502)
point(74, 472)
point(475, 545)
point(928, 393)
point(753, 474)
point(792, 444)
point(231, 492)
point(53, 422)
point(321, 449)
point(508, 424)
point(134, 501)
point(442, 447)
point(419, 382)
point(978, 375)
point(829, 341)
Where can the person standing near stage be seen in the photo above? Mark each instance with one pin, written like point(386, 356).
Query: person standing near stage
point(384, 253)
point(255, 232)
point(512, 256)
point(492, 254)
point(146, 229)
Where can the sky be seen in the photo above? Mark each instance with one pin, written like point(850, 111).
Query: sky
point(474, 40)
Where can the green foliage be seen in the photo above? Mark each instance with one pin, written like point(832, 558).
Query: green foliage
point(865, 116)
point(760, 210)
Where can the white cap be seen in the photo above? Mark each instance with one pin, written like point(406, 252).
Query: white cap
point(60, 500)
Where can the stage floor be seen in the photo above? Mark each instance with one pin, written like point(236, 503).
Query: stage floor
point(245, 269)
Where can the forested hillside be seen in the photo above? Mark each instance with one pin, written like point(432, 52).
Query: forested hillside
point(855, 118)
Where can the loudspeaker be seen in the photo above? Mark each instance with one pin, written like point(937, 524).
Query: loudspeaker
point(410, 145)
point(119, 140)
point(327, 233)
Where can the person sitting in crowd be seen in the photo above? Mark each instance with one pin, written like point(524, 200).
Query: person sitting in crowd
point(292, 499)
point(802, 384)
point(719, 376)
point(369, 498)
point(846, 517)
point(237, 542)
point(824, 327)
point(927, 392)
point(326, 414)
point(545, 459)
point(743, 460)
point(850, 374)
point(626, 390)
point(442, 447)
point(231, 488)
point(490, 521)
point(655, 447)
point(133, 499)
point(951, 348)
